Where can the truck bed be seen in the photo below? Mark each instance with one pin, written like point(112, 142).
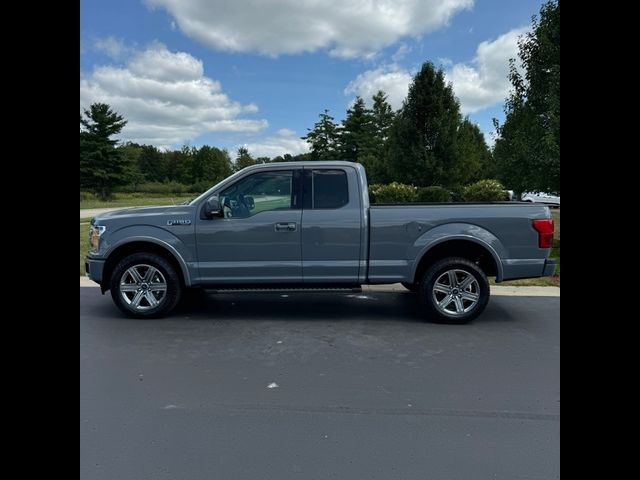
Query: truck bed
point(399, 233)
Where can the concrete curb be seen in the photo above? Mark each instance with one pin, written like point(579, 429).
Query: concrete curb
point(87, 282)
point(396, 287)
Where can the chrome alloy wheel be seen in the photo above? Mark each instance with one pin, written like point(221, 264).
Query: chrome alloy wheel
point(143, 287)
point(456, 292)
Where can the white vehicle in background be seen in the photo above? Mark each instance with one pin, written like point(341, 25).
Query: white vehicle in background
point(541, 197)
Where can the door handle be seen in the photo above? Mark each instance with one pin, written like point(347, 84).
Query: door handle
point(286, 227)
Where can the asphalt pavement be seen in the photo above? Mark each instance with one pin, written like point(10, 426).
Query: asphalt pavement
point(317, 386)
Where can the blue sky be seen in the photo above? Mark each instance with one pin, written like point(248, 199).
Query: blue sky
point(258, 72)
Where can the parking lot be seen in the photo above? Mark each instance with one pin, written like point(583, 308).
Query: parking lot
point(341, 385)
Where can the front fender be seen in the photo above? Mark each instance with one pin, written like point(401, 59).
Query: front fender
point(459, 231)
point(158, 236)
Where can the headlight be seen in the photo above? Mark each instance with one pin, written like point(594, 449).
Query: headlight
point(94, 236)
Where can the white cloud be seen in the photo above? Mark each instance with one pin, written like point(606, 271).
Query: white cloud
point(285, 141)
point(478, 84)
point(112, 46)
point(402, 51)
point(483, 82)
point(391, 79)
point(166, 98)
point(344, 28)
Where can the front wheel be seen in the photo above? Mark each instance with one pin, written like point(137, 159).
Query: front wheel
point(145, 285)
point(454, 290)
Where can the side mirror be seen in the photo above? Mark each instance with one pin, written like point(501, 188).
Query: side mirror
point(212, 207)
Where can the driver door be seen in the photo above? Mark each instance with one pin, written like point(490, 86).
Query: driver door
point(258, 240)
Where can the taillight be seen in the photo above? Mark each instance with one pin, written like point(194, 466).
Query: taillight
point(545, 232)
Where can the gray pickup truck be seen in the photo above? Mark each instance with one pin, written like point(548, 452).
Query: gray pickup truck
point(310, 225)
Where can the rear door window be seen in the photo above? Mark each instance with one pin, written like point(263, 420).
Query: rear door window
point(329, 189)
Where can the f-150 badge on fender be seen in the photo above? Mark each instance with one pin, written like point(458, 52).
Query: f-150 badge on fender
point(178, 222)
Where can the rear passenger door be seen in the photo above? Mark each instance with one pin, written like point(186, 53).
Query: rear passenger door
point(331, 225)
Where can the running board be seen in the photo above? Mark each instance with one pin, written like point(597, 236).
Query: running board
point(284, 290)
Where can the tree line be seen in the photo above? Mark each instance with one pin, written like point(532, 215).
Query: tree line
point(426, 143)
point(106, 166)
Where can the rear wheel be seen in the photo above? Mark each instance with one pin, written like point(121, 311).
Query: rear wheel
point(454, 290)
point(145, 285)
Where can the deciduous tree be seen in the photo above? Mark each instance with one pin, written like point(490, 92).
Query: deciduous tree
point(527, 151)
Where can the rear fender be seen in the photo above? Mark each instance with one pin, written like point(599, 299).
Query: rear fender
point(460, 231)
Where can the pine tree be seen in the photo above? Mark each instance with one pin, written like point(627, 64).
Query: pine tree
point(358, 135)
point(382, 116)
point(102, 166)
point(422, 140)
point(324, 138)
point(375, 162)
point(475, 161)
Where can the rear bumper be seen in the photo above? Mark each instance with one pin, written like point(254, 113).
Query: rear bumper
point(514, 269)
point(549, 267)
point(94, 268)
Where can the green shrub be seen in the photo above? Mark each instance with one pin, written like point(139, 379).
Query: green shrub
point(87, 196)
point(202, 186)
point(457, 193)
point(393, 193)
point(163, 188)
point(485, 191)
point(433, 193)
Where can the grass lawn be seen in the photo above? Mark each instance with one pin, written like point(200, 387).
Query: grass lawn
point(136, 200)
point(269, 203)
point(84, 244)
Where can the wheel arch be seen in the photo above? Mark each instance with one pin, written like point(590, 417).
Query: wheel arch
point(144, 245)
point(471, 248)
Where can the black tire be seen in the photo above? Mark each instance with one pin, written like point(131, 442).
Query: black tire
point(412, 287)
point(167, 300)
point(444, 314)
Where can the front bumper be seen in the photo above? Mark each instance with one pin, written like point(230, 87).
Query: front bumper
point(549, 267)
point(94, 268)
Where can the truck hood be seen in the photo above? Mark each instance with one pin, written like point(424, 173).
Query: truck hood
point(140, 212)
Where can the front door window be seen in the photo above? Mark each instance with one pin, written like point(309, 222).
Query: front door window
point(260, 192)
